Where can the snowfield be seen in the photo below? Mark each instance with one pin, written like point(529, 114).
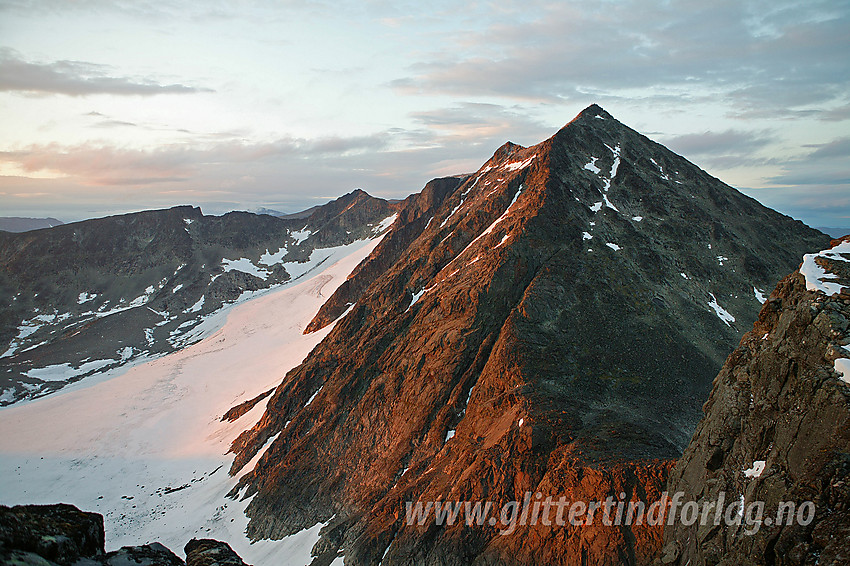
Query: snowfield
point(145, 447)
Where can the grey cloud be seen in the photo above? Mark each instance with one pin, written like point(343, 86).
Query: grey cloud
point(482, 123)
point(816, 205)
point(836, 114)
point(115, 124)
point(293, 172)
point(724, 150)
point(747, 53)
point(341, 145)
point(827, 165)
point(169, 11)
point(839, 148)
point(105, 165)
point(75, 78)
point(805, 176)
point(719, 143)
point(106, 121)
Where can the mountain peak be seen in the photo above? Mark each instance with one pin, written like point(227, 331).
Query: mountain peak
point(593, 110)
point(357, 193)
point(506, 149)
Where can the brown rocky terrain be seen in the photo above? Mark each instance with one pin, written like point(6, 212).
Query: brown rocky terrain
point(553, 328)
point(776, 429)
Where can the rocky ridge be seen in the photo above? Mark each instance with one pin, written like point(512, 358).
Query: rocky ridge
point(552, 328)
point(415, 212)
point(776, 430)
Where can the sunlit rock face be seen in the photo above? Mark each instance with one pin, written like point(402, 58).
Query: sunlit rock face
point(552, 324)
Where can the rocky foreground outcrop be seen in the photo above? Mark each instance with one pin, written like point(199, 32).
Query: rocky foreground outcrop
point(775, 439)
point(62, 535)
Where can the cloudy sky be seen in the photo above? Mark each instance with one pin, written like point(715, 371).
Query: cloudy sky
point(110, 107)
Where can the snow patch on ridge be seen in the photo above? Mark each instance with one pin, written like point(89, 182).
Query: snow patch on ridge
point(660, 170)
point(756, 470)
point(614, 166)
point(591, 166)
point(517, 165)
point(817, 278)
point(244, 265)
point(721, 313)
point(61, 372)
point(270, 259)
point(492, 226)
point(300, 235)
point(606, 180)
point(196, 307)
point(418, 295)
point(385, 224)
point(842, 367)
point(313, 396)
point(86, 297)
point(452, 213)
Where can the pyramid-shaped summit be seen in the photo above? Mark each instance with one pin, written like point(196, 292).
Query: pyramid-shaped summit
point(551, 323)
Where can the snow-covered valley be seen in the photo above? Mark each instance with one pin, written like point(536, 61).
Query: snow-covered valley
point(145, 446)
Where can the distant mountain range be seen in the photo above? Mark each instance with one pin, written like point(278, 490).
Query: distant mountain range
point(86, 297)
point(18, 224)
point(269, 211)
point(834, 232)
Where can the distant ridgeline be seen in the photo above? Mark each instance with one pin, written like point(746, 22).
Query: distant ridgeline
point(17, 224)
point(83, 298)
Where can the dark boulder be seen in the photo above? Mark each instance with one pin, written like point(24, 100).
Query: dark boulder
point(61, 534)
point(207, 552)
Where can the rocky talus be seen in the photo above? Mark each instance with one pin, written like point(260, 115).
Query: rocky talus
point(553, 328)
point(776, 431)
